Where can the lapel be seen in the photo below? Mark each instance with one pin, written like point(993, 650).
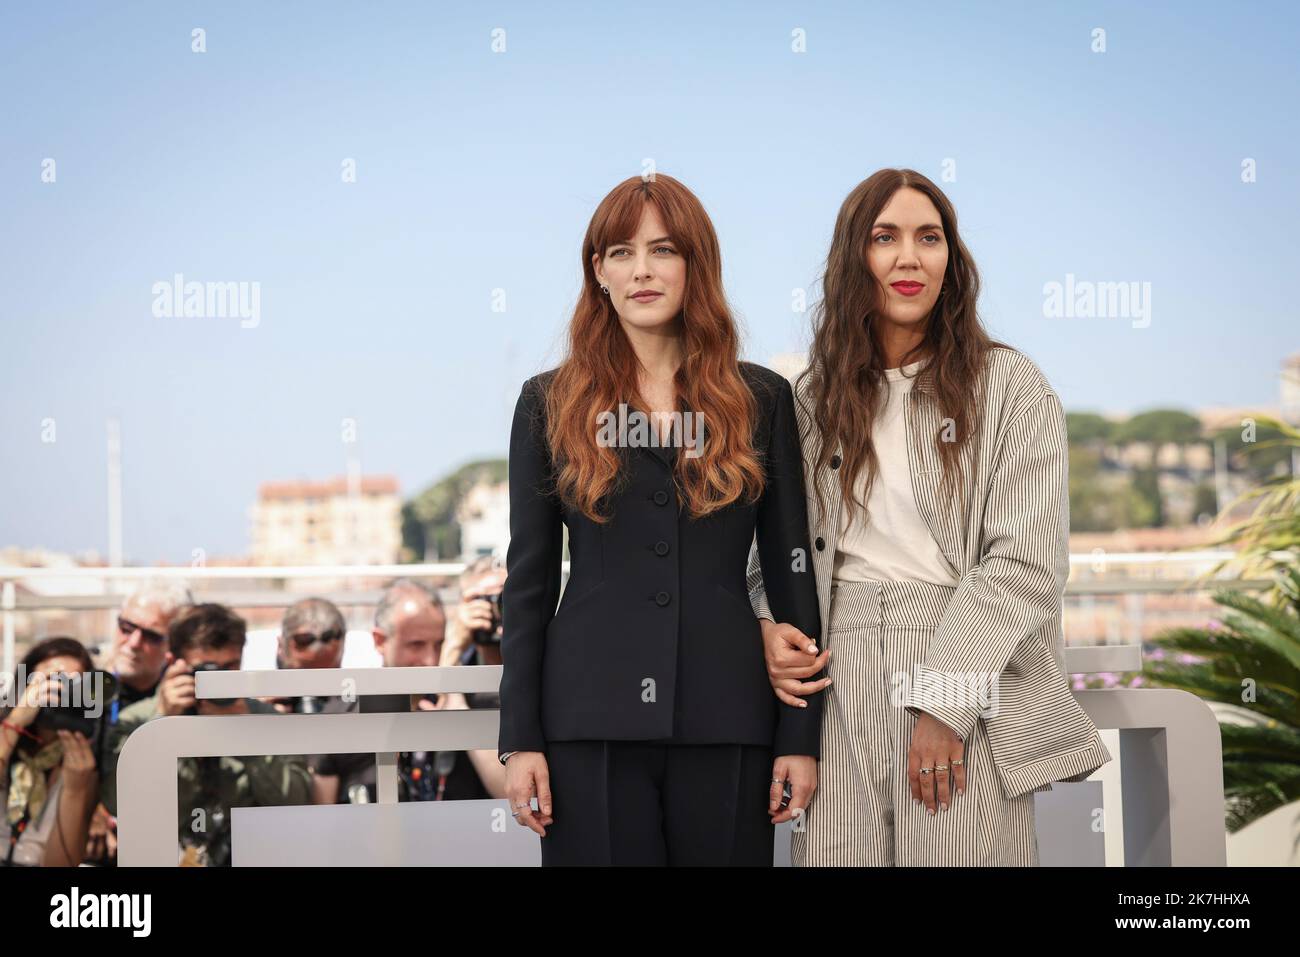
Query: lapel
point(666, 456)
point(827, 528)
point(941, 515)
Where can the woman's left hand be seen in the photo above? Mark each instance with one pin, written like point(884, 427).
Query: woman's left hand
point(936, 746)
point(801, 771)
point(78, 762)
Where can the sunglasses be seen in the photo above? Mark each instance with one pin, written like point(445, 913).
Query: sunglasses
point(148, 634)
point(305, 640)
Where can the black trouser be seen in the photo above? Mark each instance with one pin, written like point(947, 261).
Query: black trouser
point(651, 803)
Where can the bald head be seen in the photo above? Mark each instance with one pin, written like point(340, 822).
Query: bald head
point(410, 624)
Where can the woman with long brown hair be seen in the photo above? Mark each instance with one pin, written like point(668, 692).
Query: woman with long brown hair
point(936, 463)
point(639, 714)
point(49, 780)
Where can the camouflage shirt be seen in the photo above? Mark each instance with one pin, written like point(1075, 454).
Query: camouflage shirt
point(208, 788)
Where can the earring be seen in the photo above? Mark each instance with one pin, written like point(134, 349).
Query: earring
point(604, 289)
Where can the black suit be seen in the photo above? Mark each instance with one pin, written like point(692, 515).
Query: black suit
point(655, 640)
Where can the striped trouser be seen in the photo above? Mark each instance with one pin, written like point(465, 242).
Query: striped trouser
point(862, 813)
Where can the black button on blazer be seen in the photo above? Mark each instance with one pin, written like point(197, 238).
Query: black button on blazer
point(655, 638)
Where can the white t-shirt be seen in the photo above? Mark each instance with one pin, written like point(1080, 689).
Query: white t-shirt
point(891, 542)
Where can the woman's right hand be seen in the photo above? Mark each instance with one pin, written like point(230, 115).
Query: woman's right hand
point(528, 776)
point(792, 656)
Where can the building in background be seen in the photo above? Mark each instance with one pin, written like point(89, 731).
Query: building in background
point(340, 521)
point(484, 519)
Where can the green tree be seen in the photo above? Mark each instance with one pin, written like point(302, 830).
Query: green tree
point(429, 524)
point(1204, 501)
point(1262, 458)
point(1269, 539)
point(1159, 426)
point(1251, 661)
point(1146, 491)
point(1084, 427)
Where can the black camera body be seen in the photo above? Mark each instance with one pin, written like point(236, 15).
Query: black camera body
point(219, 702)
point(74, 695)
point(491, 636)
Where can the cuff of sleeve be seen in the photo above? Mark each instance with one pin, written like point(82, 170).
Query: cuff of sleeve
point(758, 599)
point(529, 740)
point(798, 730)
point(956, 700)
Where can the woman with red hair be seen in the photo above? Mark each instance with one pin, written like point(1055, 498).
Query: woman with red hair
point(639, 714)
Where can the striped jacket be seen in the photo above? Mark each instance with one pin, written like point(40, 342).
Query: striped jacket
point(1008, 544)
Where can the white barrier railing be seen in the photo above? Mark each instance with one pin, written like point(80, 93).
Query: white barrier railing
point(1169, 740)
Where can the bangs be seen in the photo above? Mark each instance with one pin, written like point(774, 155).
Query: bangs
point(623, 218)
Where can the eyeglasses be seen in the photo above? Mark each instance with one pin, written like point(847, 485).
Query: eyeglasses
point(148, 634)
point(305, 640)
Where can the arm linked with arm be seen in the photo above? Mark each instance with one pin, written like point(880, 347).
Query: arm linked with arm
point(1018, 584)
point(754, 582)
point(532, 586)
point(788, 591)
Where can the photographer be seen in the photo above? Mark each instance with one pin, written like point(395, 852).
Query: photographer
point(48, 782)
point(140, 642)
point(474, 634)
point(411, 631)
point(137, 658)
point(209, 637)
point(312, 633)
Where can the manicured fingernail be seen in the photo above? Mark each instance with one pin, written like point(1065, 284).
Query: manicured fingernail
point(929, 810)
point(802, 703)
point(944, 806)
point(915, 801)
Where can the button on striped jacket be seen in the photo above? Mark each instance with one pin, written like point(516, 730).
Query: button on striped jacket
point(1007, 540)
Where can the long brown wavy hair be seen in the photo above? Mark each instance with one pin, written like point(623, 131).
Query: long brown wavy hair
point(846, 368)
point(600, 368)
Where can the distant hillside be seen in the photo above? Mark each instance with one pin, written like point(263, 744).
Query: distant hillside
point(429, 528)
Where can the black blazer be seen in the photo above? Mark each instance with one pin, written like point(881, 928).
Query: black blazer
point(655, 639)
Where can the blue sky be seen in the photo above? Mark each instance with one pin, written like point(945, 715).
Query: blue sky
point(478, 171)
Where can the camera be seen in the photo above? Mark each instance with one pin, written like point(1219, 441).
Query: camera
point(72, 696)
point(490, 636)
point(219, 702)
point(307, 704)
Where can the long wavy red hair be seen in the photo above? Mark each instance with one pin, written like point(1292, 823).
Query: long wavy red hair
point(600, 368)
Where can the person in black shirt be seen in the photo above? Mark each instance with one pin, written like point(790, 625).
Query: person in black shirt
point(139, 649)
point(137, 658)
point(411, 631)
